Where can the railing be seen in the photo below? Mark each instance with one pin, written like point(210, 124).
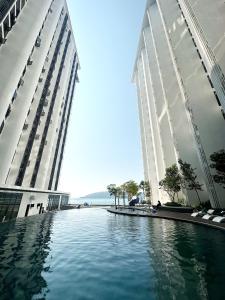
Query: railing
point(5, 6)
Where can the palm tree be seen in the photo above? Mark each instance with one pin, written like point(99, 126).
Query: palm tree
point(123, 189)
point(112, 189)
point(142, 187)
point(119, 194)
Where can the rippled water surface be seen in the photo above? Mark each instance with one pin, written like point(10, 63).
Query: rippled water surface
point(91, 254)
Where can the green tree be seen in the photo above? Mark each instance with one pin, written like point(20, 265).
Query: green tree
point(131, 188)
point(112, 189)
point(189, 178)
point(218, 163)
point(172, 182)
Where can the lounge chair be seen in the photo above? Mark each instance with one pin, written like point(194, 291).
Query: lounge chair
point(209, 215)
point(198, 213)
point(219, 219)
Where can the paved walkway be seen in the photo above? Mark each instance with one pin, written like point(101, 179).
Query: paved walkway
point(185, 217)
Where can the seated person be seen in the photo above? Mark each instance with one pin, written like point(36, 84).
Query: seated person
point(159, 204)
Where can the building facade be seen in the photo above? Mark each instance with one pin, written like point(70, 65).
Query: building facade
point(38, 73)
point(179, 75)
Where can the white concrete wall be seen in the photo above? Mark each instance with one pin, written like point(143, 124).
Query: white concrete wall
point(14, 139)
point(13, 56)
point(32, 198)
point(54, 144)
point(53, 131)
point(62, 136)
point(186, 119)
point(206, 113)
point(40, 129)
point(206, 20)
point(30, 93)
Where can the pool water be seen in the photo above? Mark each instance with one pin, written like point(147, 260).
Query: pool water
point(92, 254)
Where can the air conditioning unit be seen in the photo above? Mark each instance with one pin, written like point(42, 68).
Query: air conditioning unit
point(38, 42)
point(25, 126)
point(21, 82)
point(30, 62)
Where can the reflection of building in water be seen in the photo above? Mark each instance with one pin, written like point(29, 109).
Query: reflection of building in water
point(179, 74)
point(24, 246)
point(180, 271)
point(38, 74)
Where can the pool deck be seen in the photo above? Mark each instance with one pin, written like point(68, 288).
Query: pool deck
point(184, 217)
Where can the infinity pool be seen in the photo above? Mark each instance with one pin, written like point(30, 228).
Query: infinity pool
point(91, 254)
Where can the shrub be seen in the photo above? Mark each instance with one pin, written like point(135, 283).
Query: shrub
point(206, 205)
point(172, 204)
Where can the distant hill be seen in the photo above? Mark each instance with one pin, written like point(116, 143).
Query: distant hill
point(98, 195)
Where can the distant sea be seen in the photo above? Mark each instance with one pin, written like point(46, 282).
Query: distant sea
point(94, 201)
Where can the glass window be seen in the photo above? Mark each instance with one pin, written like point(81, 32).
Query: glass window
point(9, 205)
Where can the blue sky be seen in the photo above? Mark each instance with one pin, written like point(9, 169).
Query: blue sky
point(103, 142)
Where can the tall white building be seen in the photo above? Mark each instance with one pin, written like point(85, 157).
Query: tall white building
point(38, 73)
point(179, 75)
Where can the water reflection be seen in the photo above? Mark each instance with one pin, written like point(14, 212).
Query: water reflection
point(187, 260)
point(24, 246)
point(90, 254)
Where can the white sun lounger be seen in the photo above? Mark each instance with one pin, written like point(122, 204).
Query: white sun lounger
point(195, 214)
point(219, 219)
point(209, 215)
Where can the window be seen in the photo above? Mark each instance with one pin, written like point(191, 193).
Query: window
point(223, 113)
point(14, 96)
point(53, 202)
point(9, 205)
point(8, 111)
point(2, 126)
point(217, 99)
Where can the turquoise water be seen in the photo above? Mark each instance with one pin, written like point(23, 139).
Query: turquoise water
point(91, 254)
